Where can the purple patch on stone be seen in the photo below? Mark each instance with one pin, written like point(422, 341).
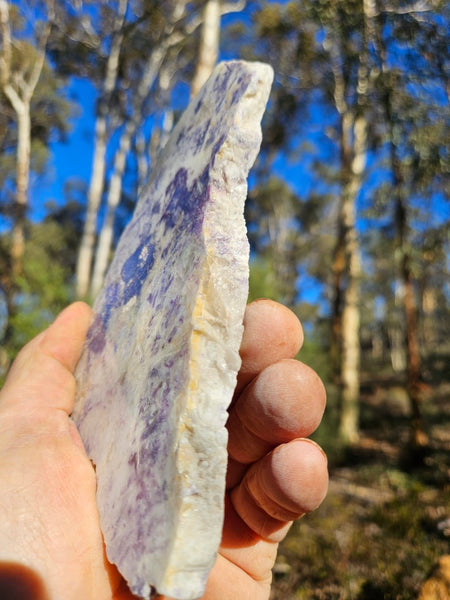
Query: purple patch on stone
point(136, 268)
point(96, 338)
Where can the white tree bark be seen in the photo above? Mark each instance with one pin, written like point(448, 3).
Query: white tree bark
point(354, 157)
point(22, 185)
point(115, 188)
point(96, 185)
point(19, 88)
point(210, 39)
point(350, 359)
point(209, 44)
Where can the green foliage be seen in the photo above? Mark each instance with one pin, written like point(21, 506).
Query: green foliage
point(262, 283)
point(44, 287)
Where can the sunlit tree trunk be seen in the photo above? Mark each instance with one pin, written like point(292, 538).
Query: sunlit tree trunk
point(209, 45)
point(105, 239)
point(350, 351)
point(339, 264)
point(210, 39)
point(97, 180)
point(22, 185)
point(345, 347)
point(19, 87)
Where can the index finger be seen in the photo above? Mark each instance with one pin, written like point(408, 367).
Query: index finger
point(272, 332)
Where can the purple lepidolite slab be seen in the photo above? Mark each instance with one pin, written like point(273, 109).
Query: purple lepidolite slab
point(160, 364)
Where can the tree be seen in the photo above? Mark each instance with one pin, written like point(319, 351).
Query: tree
point(171, 35)
point(97, 179)
point(208, 50)
point(21, 66)
point(35, 112)
point(415, 153)
point(97, 40)
point(321, 52)
point(329, 61)
point(351, 102)
point(44, 285)
point(209, 45)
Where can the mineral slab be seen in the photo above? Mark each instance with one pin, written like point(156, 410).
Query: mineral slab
point(160, 363)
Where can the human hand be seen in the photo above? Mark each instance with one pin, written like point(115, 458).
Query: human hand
point(50, 538)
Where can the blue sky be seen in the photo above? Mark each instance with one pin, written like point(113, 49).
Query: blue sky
point(69, 159)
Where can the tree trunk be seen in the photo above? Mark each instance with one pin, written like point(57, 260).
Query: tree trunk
point(338, 269)
point(397, 348)
point(347, 261)
point(86, 249)
point(429, 305)
point(115, 191)
point(350, 358)
point(22, 185)
point(19, 88)
point(419, 437)
point(97, 181)
point(413, 359)
point(209, 45)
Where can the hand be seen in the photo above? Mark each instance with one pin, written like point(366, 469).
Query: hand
point(51, 546)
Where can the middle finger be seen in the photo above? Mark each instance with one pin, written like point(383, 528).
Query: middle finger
point(284, 402)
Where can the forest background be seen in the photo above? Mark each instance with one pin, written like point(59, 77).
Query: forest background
point(347, 213)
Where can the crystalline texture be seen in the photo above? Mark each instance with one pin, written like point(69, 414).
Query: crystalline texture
point(160, 363)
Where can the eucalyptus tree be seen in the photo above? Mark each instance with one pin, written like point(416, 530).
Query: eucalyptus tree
point(323, 64)
point(208, 48)
point(93, 40)
point(331, 78)
point(412, 46)
point(121, 47)
point(22, 63)
point(35, 111)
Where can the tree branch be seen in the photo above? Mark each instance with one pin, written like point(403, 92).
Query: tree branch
point(5, 58)
point(40, 60)
point(225, 9)
point(420, 6)
point(229, 7)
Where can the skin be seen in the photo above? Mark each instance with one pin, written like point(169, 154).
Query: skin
point(50, 538)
